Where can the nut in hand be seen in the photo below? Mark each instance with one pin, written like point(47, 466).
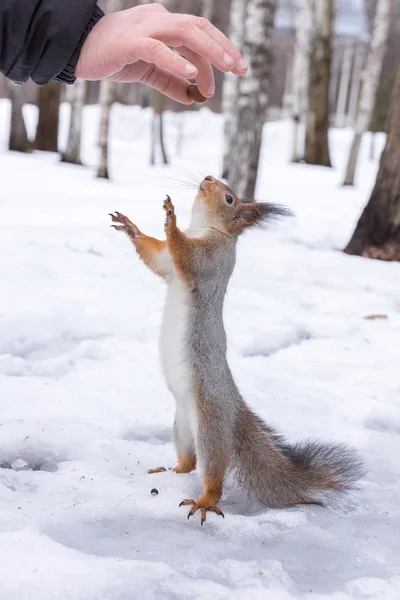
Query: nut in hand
point(194, 94)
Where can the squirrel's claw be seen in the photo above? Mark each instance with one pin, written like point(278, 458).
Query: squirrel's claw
point(158, 470)
point(169, 212)
point(168, 206)
point(203, 510)
point(187, 503)
point(125, 225)
point(118, 217)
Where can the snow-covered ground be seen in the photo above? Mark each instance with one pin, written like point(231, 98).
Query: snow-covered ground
point(84, 411)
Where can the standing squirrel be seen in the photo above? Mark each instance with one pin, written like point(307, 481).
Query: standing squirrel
point(214, 428)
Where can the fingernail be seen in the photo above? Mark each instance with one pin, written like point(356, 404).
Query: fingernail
point(211, 90)
point(191, 69)
point(228, 60)
point(243, 65)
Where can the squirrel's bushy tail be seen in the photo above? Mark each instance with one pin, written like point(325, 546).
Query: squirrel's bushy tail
point(278, 474)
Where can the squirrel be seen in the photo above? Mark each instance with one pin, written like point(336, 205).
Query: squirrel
point(214, 429)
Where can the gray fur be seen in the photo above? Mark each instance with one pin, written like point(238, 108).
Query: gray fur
point(230, 436)
point(206, 341)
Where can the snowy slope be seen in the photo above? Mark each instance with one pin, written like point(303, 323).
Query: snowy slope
point(84, 411)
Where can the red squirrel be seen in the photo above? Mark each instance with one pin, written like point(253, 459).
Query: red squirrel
point(214, 429)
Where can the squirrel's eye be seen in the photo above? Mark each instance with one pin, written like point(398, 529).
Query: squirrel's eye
point(229, 198)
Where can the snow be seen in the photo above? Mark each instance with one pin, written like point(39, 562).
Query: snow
point(84, 410)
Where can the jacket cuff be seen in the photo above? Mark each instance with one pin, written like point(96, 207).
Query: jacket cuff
point(67, 75)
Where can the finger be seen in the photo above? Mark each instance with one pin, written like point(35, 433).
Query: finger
point(155, 52)
point(184, 31)
point(205, 79)
point(220, 38)
point(170, 85)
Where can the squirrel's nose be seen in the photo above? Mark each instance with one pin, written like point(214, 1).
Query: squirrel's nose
point(208, 178)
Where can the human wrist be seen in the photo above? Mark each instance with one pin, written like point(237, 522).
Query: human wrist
point(67, 75)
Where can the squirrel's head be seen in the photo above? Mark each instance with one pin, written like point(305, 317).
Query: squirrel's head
point(216, 205)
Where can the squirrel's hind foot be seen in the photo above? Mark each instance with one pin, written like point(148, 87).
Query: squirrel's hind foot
point(158, 470)
point(180, 468)
point(202, 508)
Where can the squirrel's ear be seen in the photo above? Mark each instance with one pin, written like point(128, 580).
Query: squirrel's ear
point(253, 214)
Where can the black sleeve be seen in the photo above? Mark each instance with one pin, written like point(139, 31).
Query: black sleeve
point(42, 39)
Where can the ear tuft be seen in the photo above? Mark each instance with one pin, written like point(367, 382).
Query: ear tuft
point(277, 211)
point(255, 214)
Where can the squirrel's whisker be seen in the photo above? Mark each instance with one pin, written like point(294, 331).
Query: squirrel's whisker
point(182, 183)
point(189, 175)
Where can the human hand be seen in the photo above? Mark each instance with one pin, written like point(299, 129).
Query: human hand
point(136, 45)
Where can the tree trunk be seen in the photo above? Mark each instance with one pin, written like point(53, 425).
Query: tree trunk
point(108, 94)
point(301, 66)
point(153, 140)
point(252, 103)
point(162, 143)
point(344, 86)
point(108, 90)
point(76, 96)
point(369, 7)
point(377, 234)
point(352, 160)
point(334, 83)
point(317, 143)
point(180, 134)
point(157, 127)
point(208, 9)
point(355, 85)
point(231, 84)
point(49, 109)
point(372, 151)
point(370, 82)
point(287, 99)
point(18, 140)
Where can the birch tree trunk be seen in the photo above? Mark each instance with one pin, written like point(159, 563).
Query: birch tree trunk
point(208, 9)
point(344, 86)
point(158, 103)
point(334, 83)
point(18, 140)
point(49, 108)
point(157, 127)
point(355, 85)
point(108, 91)
point(372, 145)
point(377, 234)
point(317, 127)
point(370, 83)
point(287, 99)
point(231, 84)
point(252, 100)
point(180, 134)
point(76, 97)
point(300, 73)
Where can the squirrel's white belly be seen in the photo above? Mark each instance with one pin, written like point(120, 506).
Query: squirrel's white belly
point(173, 342)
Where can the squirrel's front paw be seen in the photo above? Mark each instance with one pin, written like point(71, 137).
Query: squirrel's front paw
point(170, 217)
point(126, 226)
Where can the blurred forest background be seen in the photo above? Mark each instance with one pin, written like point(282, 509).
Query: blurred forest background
point(318, 63)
